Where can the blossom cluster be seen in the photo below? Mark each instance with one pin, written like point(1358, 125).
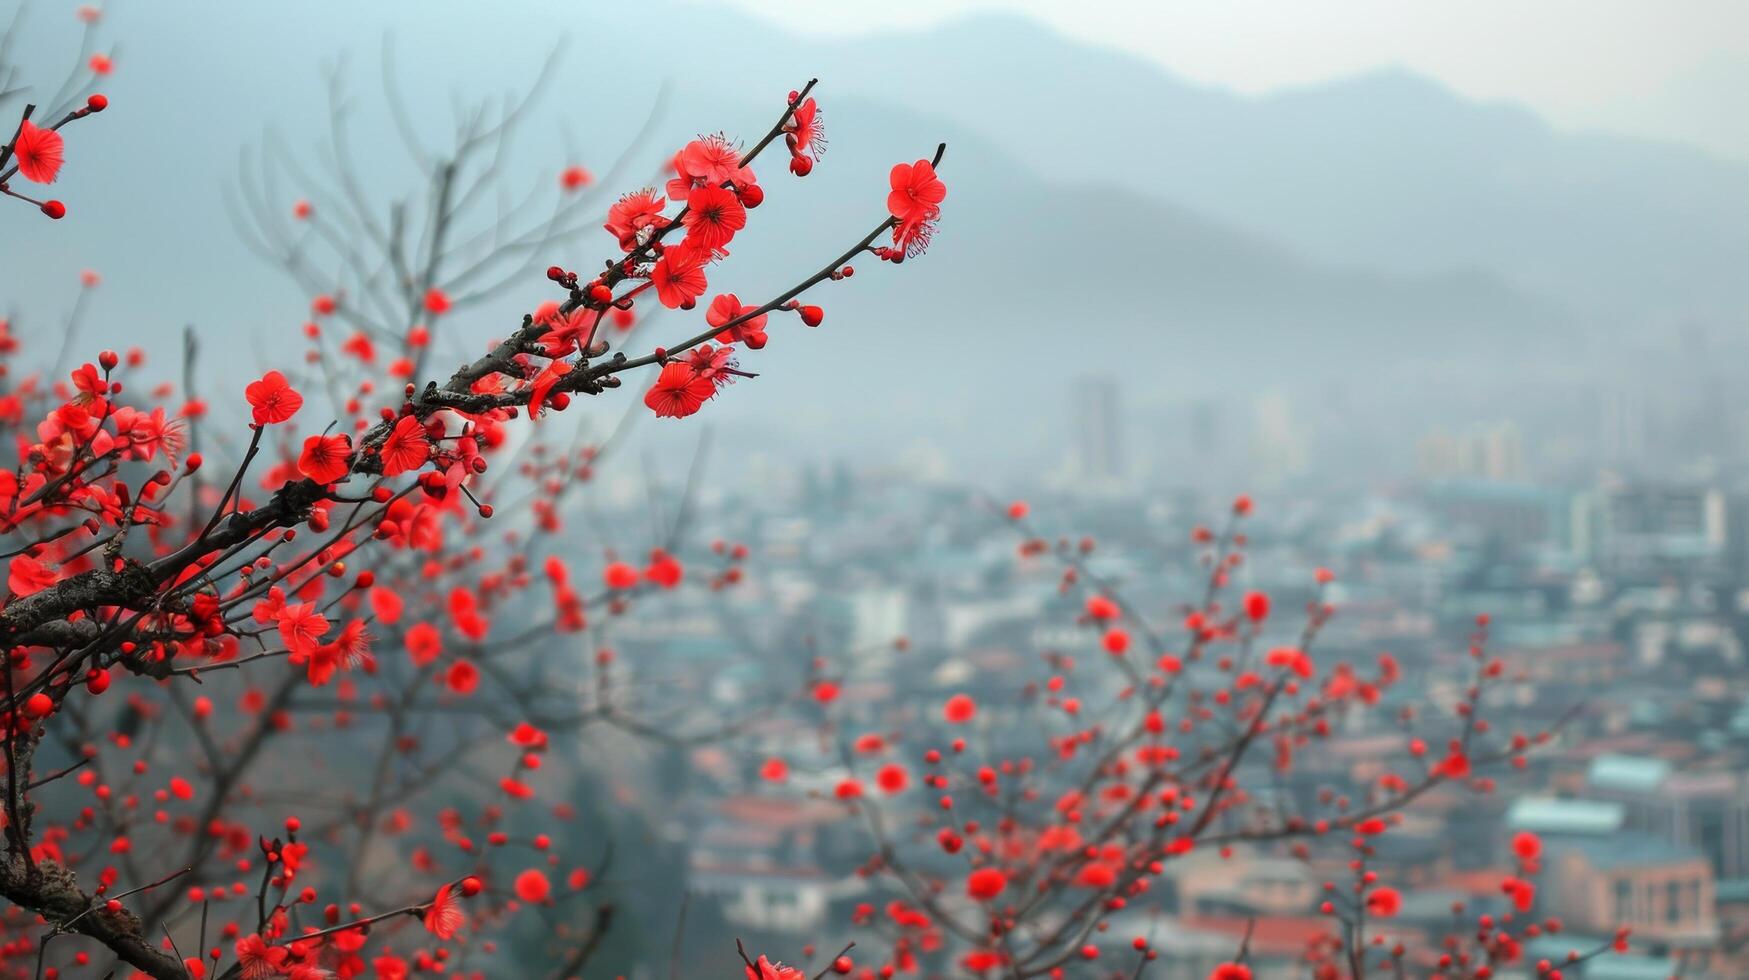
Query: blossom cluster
point(1012, 839)
point(338, 571)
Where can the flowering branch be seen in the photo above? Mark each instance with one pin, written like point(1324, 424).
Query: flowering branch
point(110, 571)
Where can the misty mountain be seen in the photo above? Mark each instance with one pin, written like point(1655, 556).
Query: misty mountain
point(1092, 223)
point(1031, 283)
point(1387, 170)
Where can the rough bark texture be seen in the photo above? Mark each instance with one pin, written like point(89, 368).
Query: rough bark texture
point(52, 891)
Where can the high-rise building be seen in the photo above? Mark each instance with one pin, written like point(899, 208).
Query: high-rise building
point(1280, 442)
point(1624, 423)
point(1097, 417)
point(1205, 429)
point(1494, 452)
point(1642, 526)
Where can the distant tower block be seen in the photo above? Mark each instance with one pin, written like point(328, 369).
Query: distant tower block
point(1097, 416)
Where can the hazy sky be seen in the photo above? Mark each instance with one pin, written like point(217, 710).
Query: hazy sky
point(1672, 69)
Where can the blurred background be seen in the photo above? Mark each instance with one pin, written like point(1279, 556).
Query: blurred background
point(1456, 290)
point(1345, 243)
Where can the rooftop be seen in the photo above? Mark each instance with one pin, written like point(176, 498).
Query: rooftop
point(1627, 773)
point(1628, 850)
point(1548, 815)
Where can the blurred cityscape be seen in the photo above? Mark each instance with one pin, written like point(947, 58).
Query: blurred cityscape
point(1473, 357)
point(1620, 602)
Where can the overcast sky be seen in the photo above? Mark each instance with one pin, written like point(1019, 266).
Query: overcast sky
point(1672, 69)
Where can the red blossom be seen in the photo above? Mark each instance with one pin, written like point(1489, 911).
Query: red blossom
point(711, 161)
point(805, 130)
point(533, 887)
point(272, 399)
point(386, 605)
point(444, 916)
point(959, 709)
point(679, 391)
point(1383, 902)
point(728, 307)
point(635, 215)
point(1256, 606)
point(1456, 765)
point(764, 969)
point(664, 569)
point(1527, 846)
point(326, 459)
point(406, 448)
point(301, 627)
point(424, 643)
point(713, 216)
point(28, 576)
point(915, 203)
point(38, 153)
point(893, 778)
point(619, 575)
point(679, 277)
point(462, 677)
point(543, 384)
point(258, 959)
point(985, 883)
